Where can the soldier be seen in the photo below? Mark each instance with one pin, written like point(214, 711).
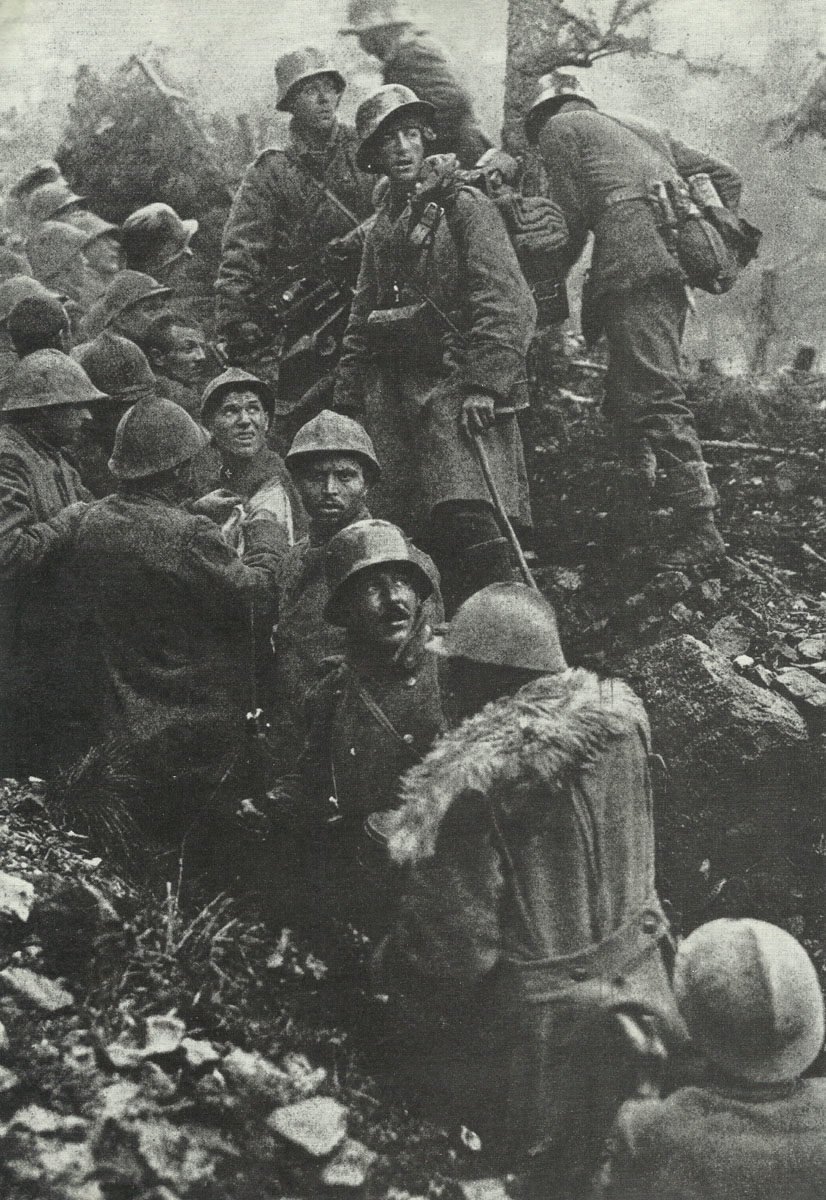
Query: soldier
point(39, 323)
point(291, 202)
point(530, 913)
point(12, 291)
point(434, 354)
point(44, 401)
point(752, 1127)
point(411, 58)
point(57, 255)
point(12, 263)
point(52, 201)
point(119, 368)
point(172, 604)
point(102, 249)
point(45, 170)
point(371, 716)
point(131, 302)
point(177, 352)
point(600, 172)
point(236, 409)
point(155, 240)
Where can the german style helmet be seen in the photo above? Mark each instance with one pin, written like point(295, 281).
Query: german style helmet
point(504, 625)
point(45, 379)
point(552, 91)
point(333, 433)
point(154, 436)
point(366, 544)
point(392, 100)
point(239, 380)
point(296, 68)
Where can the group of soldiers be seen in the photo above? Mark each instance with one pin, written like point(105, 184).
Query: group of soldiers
point(172, 565)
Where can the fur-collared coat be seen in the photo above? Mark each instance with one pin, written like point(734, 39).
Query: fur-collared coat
point(529, 835)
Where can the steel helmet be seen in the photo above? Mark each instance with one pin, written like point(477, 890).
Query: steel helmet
point(364, 15)
point(52, 247)
point(149, 229)
point(34, 322)
point(552, 91)
point(750, 997)
point(365, 544)
point(52, 200)
point(333, 433)
point(387, 102)
point(17, 288)
point(296, 68)
point(234, 379)
point(91, 224)
point(117, 366)
point(12, 263)
point(45, 170)
point(127, 289)
point(154, 436)
point(504, 625)
point(44, 379)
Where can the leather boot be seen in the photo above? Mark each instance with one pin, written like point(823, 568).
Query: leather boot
point(695, 540)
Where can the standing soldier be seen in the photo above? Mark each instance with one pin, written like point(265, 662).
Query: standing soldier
point(44, 402)
point(601, 171)
point(531, 914)
point(291, 202)
point(411, 58)
point(434, 354)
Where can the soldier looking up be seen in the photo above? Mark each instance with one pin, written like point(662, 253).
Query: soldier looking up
point(434, 353)
point(291, 202)
point(410, 57)
point(601, 171)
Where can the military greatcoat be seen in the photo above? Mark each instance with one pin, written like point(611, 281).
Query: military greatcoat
point(407, 381)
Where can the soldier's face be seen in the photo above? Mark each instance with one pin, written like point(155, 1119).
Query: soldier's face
point(401, 153)
point(60, 424)
point(315, 103)
point(103, 255)
point(382, 606)
point(239, 427)
point(333, 489)
point(186, 360)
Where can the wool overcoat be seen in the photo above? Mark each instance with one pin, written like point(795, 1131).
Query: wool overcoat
point(531, 907)
point(409, 389)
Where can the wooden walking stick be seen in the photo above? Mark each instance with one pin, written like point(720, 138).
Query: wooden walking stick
point(502, 517)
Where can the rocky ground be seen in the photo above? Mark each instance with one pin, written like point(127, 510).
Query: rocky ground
point(158, 1050)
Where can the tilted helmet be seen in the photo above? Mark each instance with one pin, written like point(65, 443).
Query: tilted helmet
point(389, 101)
point(17, 288)
point(552, 91)
point(52, 200)
point(333, 433)
point(749, 995)
point(234, 379)
point(296, 68)
point(154, 436)
point(44, 379)
point(127, 289)
point(52, 247)
point(149, 228)
point(365, 544)
point(364, 15)
point(504, 625)
point(117, 366)
point(45, 170)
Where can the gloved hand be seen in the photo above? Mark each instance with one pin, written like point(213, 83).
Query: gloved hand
point(478, 413)
point(217, 505)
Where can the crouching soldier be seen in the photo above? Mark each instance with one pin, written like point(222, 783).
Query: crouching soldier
point(530, 915)
point(753, 1127)
point(372, 716)
point(434, 354)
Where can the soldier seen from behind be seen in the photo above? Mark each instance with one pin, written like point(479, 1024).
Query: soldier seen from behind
point(434, 353)
point(291, 204)
point(410, 57)
point(44, 715)
point(625, 182)
point(530, 916)
point(39, 323)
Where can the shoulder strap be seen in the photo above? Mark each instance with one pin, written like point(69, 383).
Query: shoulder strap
point(380, 716)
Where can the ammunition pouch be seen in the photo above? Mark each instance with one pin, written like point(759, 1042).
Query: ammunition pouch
point(705, 258)
point(399, 330)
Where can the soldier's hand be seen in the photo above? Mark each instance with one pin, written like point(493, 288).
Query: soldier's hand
point(245, 333)
point(217, 505)
point(478, 413)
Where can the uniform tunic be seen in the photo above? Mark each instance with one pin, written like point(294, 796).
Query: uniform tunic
point(410, 392)
point(39, 620)
point(636, 287)
point(280, 216)
point(531, 908)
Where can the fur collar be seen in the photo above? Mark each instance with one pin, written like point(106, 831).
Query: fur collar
point(554, 726)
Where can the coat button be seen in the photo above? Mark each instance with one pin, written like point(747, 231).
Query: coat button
point(353, 751)
point(580, 974)
point(407, 738)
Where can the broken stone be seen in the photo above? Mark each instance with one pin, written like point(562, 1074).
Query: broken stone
point(484, 1189)
point(317, 1126)
point(4, 1039)
point(123, 1056)
point(818, 669)
point(681, 614)
point(813, 649)
point(156, 1081)
point(305, 1079)
point(668, 585)
point(37, 989)
point(163, 1036)
point(350, 1167)
point(198, 1054)
point(42, 1121)
point(256, 1077)
point(760, 675)
point(808, 693)
point(711, 592)
point(743, 662)
point(730, 637)
point(8, 1080)
point(16, 897)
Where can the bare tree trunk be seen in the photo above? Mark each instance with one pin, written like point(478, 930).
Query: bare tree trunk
point(534, 28)
point(766, 320)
